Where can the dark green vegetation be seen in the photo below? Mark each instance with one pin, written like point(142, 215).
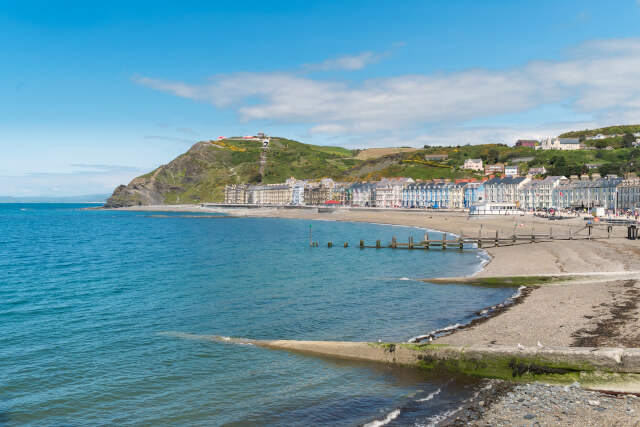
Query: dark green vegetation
point(506, 367)
point(502, 282)
point(201, 174)
point(611, 130)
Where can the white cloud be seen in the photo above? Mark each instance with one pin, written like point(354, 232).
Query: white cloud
point(347, 62)
point(598, 78)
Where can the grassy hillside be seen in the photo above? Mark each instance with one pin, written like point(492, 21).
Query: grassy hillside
point(611, 130)
point(202, 172)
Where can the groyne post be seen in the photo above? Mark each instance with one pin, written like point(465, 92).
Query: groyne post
point(361, 243)
point(329, 244)
point(533, 235)
point(378, 244)
point(497, 242)
point(393, 242)
point(444, 241)
point(410, 242)
point(346, 245)
point(426, 240)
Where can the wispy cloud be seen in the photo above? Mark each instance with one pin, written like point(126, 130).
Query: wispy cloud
point(348, 62)
point(598, 78)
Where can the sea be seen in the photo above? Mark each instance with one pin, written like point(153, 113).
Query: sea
point(104, 317)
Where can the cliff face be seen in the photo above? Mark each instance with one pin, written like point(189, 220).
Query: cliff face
point(198, 175)
point(201, 174)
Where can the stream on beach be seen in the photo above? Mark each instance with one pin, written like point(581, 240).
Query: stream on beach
point(93, 304)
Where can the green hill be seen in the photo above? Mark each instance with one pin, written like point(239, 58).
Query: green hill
point(610, 130)
point(200, 174)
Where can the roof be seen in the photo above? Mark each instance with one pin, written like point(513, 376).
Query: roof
point(568, 140)
point(595, 183)
point(521, 159)
point(507, 180)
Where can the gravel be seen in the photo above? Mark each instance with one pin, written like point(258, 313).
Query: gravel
point(502, 403)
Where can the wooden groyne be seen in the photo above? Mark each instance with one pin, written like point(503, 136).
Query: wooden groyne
point(431, 240)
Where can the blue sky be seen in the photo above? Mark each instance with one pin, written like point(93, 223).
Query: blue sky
point(93, 94)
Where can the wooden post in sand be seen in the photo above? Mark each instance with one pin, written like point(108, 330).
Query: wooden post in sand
point(497, 243)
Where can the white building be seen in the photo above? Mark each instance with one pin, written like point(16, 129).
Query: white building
point(297, 193)
point(538, 170)
point(560, 144)
point(538, 194)
point(511, 171)
point(504, 190)
point(586, 193)
point(495, 209)
point(388, 192)
point(473, 164)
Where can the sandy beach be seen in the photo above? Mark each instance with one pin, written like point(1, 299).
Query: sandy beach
point(597, 306)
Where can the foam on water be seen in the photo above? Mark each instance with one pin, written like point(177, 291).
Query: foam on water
point(430, 396)
point(386, 420)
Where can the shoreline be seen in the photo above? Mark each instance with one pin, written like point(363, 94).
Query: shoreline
point(567, 311)
point(600, 307)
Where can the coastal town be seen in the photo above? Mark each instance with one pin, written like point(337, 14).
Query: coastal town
point(522, 187)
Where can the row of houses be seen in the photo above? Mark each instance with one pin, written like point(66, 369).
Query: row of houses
point(559, 192)
point(552, 192)
point(385, 193)
point(501, 168)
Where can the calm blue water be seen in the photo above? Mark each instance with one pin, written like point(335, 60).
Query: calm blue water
point(87, 299)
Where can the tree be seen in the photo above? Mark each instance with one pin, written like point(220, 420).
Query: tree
point(628, 139)
point(255, 178)
point(493, 156)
